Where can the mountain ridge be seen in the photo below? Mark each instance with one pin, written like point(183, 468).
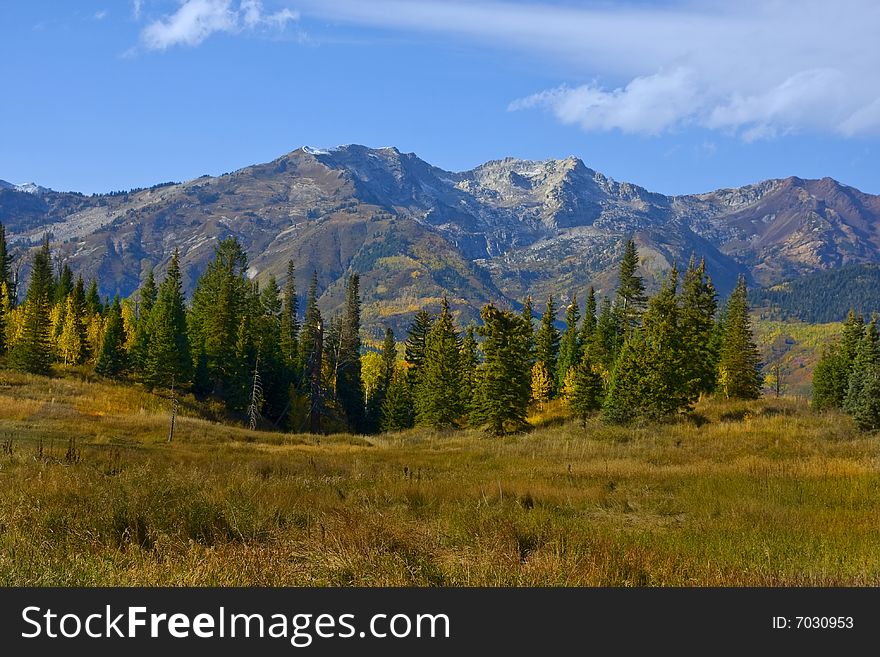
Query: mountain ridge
point(416, 232)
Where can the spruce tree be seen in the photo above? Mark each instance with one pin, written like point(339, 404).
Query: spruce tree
point(832, 373)
point(5, 262)
point(397, 407)
point(349, 387)
point(437, 395)
point(623, 400)
point(289, 320)
point(607, 338)
point(148, 294)
point(62, 285)
point(168, 358)
point(585, 393)
point(112, 357)
point(867, 356)
point(630, 302)
point(311, 350)
point(528, 318)
point(503, 397)
point(373, 419)
point(569, 344)
point(547, 342)
point(220, 300)
point(739, 362)
point(32, 351)
point(470, 362)
point(93, 300)
point(588, 326)
point(698, 307)
point(414, 346)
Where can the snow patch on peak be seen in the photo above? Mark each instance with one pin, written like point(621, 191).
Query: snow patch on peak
point(315, 151)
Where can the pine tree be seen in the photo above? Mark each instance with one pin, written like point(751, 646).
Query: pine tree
point(867, 356)
point(397, 407)
point(569, 345)
point(93, 300)
point(220, 300)
point(623, 399)
point(32, 351)
point(607, 338)
point(528, 318)
point(5, 262)
point(311, 349)
point(585, 393)
point(112, 357)
point(62, 285)
point(698, 307)
point(547, 342)
point(503, 397)
point(349, 388)
point(630, 302)
point(168, 358)
point(470, 362)
point(739, 363)
point(588, 326)
point(289, 320)
point(388, 356)
point(832, 373)
point(437, 394)
point(140, 346)
point(414, 346)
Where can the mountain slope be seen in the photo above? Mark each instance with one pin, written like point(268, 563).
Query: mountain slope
point(416, 232)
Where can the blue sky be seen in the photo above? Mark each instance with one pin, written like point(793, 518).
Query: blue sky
point(676, 96)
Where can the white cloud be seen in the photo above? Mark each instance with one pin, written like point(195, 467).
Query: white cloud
point(100, 15)
point(136, 8)
point(196, 20)
point(755, 68)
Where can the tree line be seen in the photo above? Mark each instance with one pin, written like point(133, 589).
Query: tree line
point(847, 376)
point(248, 346)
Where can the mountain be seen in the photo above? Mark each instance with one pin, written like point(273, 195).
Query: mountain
point(416, 232)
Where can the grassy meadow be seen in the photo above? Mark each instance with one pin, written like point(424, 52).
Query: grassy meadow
point(762, 493)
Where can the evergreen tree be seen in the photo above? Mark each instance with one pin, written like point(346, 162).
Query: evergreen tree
point(5, 262)
point(698, 307)
point(437, 395)
point(503, 398)
point(273, 371)
point(588, 327)
point(470, 362)
point(867, 356)
point(148, 295)
point(289, 320)
point(112, 357)
point(528, 318)
point(32, 351)
point(373, 420)
point(605, 343)
point(311, 349)
point(630, 302)
point(547, 342)
point(414, 346)
point(569, 345)
point(62, 285)
point(168, 358)
point(739, 363)
point(220, 301)
point(93, 300)
point(830, 379)
point(623, 400)
point(349, 387)
point(397, 407)
point(585, 393)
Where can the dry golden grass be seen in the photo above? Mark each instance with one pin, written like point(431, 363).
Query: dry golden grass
point(760, 493)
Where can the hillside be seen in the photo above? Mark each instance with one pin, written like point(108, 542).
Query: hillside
point(824, 296)
point(416, 232)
